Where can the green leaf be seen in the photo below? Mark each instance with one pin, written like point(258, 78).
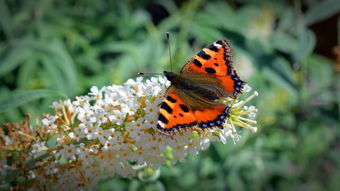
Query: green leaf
point(287, 19)
point(321, 11)
point(63, 60)
point(26, 72)
point(11, 115)
point(307, 42)
point(206, 34)
point(281, 75)
point(320, 77)
point(56, 55)
point(235, 181)
point(15, 57)
point(320, 71)
point(52, 75)
point(5, 19)
point(113, 184)
point(310, 149)
point(219, 11)
point(285, 43)
point(22, 97)
point(51, 142)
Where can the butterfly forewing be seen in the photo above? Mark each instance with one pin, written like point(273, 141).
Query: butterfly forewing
point(216, 60)
point(174, 114)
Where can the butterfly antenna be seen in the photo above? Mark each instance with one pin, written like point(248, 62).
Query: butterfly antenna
point(168, 40)
point(148, 74)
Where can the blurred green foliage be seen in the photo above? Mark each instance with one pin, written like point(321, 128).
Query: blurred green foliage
point(50, 50)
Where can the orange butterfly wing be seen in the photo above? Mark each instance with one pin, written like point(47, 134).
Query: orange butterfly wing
point(174, 114)
point(216, 59)
point(212, 117)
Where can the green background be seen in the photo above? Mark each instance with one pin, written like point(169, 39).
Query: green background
point(51, 50)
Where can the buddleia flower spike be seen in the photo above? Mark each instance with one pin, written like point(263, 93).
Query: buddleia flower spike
point(109, 132)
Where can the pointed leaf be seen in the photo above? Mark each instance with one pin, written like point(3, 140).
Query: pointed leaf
point(22, 97)
point(322, 10)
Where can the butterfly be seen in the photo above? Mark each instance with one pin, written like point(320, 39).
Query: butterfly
point(192, 98)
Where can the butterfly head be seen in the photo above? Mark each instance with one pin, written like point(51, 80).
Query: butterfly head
point(170, 76)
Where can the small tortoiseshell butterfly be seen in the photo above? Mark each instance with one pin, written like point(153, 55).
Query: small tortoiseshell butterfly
point(192, 98)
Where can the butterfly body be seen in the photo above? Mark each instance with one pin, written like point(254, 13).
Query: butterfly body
point(194, 94)
point(200, 91)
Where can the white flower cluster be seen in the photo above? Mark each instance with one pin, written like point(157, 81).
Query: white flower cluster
point(112, 131)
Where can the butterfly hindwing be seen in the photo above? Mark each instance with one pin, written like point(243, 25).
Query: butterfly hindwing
point(174, 114)
point(212, 117)
point(216, 60)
